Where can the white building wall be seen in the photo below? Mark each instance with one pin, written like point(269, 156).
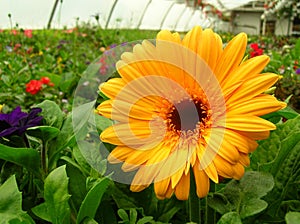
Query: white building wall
point(281, 27)
point(248, 22)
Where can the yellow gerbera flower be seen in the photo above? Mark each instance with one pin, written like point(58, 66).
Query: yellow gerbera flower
point(185, 105)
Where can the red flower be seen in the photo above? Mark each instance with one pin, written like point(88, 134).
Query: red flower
point(34, 86)
point(45, 80)
point(28, 33)
point(256, 50)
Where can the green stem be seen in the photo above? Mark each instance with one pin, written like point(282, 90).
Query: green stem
point(26, 141)
point(44, 158)
point(194, 203)
point(210, 214)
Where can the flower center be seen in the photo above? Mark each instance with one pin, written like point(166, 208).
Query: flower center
point(187, 114)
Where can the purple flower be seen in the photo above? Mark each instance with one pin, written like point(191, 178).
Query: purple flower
point(17, 121)
point(298, 71)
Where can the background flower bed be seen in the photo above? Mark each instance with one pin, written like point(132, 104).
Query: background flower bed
point(59, 186)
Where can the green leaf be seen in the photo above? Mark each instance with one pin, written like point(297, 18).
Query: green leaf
point(123, 215)
point(268, 150)
point(244, 196)
point(26, 157)
point(11, 203)
point(45, 133)
point(65, 138)
point(292, 217)
point(280, 155)
point(102, 122)
point(77, 186)
point(145, 220)
point(52, 113)
point(89, 221)
point(287, 113)
point(230, 218)
point(133, 215)
point(92, 200)
point(56, 208)
point(66, 135)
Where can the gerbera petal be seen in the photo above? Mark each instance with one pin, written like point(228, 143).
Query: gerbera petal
point(244, 159)
point(146, 174)
point(247, 70)
point(192, 39)
point(202, 181)
point(119, 154)
point(112, 87)
point(212, 173)
point(210, 48)
point(249, 123)
point(252, 87)
point(161, 187)
point(260, 105)
point(243, 143)
point(231, 56)
point(223, 167)
point(258, 135)
point(238, 171)
point(128, 73)
point(130, 134)
point(166, 35)
point(182, 189)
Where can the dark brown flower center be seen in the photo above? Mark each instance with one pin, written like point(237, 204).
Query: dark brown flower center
point(187, 114)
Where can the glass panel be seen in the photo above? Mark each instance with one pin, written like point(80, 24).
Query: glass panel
point(127, 13)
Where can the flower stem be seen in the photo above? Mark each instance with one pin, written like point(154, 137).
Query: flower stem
point(210, 214)
point(194, 203)
point(44, 158)
point(26, 141)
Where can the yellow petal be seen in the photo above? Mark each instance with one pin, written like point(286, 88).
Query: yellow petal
point(244, 159)
point(223, 167)
point(231, 57)
point(193, 38)
point(182, 189)
point(161, 187)
point(166, 35)
point(243, 143)
point(133, 134)
point(145, 175)
point(119, 154)
point(239, 171)
point(212, 173)
point(128, 73)
point(247, 70)
point(202, 181)
point(176, 177)
point(260, 105)
point(112, 87)
point(252, 87)
point(249, 123)
point(259, 135)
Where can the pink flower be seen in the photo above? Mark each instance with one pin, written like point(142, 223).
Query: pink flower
point(14, 32)
point(28, 33)
point(17, 46)
point(34, 86)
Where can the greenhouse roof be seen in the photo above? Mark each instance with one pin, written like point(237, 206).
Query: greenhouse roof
point(178, 15)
